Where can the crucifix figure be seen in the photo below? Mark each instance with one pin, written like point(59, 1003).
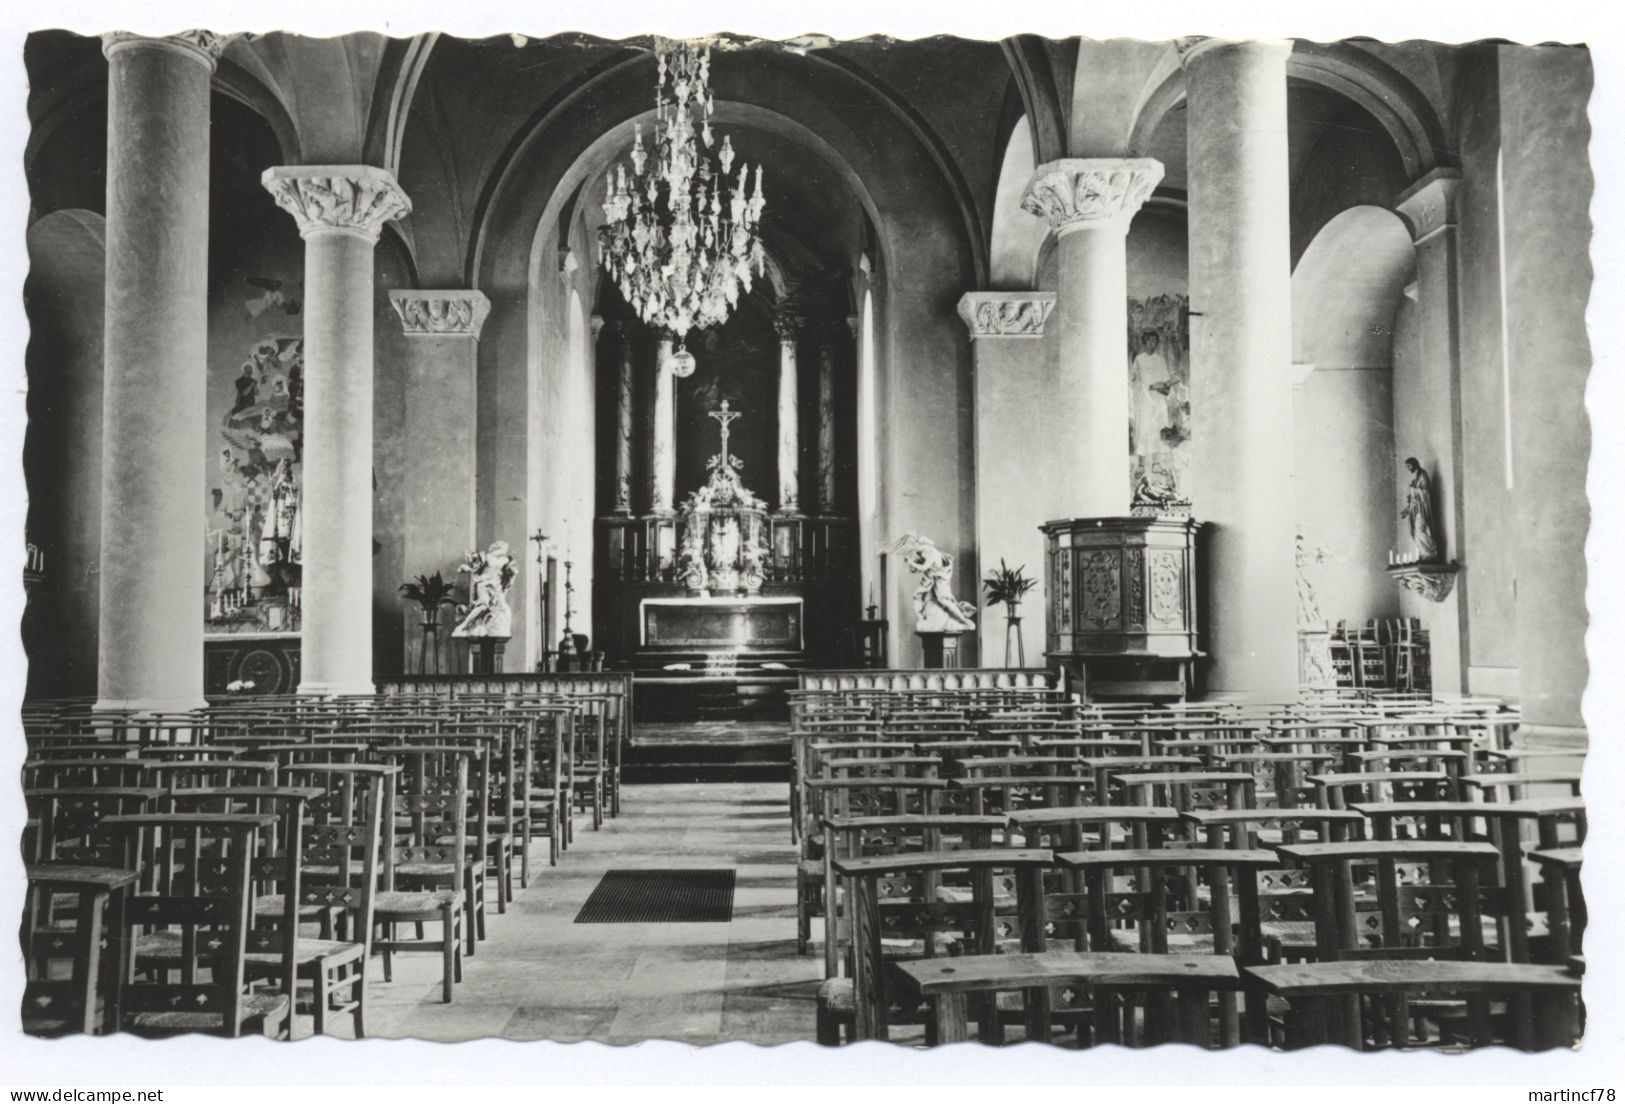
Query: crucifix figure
point(724, 417)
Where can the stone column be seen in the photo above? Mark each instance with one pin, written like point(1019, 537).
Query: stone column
point(1241, 360)
point(788, 326)
point(663, 451)
point(443, 331)
point(1012, 462)
point(625, 389)
point(150, 625)
point(340, 209)
point(1428, 208)
point(1089, 203)
point(830, 341)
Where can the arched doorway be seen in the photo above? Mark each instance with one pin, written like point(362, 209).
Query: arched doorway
point(1347, 291)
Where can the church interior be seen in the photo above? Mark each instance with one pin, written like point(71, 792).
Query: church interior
point(799, 532)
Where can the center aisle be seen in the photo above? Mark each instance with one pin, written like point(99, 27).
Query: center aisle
point(542, 976)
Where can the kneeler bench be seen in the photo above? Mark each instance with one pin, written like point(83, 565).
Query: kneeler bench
point(1312, 990)
point(948, 983)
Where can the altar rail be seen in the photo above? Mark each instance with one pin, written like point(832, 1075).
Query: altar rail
point(616, 686)
point(960, 678)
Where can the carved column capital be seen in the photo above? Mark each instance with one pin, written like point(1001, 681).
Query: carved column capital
point(204, 47)
point(1006, 313)
point(1429, 205)
point(341, 199)
point(441, 313)
point(788, 327)
point(1076, 192)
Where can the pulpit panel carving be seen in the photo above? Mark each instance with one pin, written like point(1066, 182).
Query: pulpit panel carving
point(1167, 588)
point(1102, 581)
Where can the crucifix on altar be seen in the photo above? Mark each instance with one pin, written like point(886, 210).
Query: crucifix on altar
point(725, 418)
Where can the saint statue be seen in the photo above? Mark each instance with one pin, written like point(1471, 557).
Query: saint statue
point(490, 574)
point(1419, 511)
point(1152, 384)
point(934, 602)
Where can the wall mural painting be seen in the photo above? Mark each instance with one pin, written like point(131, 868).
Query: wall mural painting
point(253, 549)
point(1159, 404)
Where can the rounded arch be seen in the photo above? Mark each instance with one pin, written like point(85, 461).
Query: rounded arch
point(1399, 107)
point(1346, 289)
point(1018, 236)
point(64, 294)
point(1346, 293)
point(906, 220)
point(591, 161)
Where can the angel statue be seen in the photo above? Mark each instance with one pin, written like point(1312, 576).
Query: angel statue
point(934, 601)
point(490, 574)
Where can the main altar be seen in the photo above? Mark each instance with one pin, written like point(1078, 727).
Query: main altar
point(716, 603)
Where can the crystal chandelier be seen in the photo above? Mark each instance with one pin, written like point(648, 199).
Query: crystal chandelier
point(682, 238)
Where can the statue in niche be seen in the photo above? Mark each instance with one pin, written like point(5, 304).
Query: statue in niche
point(1419, 512)
point(934, 602)
point(491, 574)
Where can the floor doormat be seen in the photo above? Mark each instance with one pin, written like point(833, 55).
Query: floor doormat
point(696, 896)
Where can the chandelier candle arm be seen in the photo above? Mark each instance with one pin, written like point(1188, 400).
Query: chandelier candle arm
point(681, 241)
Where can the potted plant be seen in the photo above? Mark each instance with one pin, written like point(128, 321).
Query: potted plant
point(1009, 586)
point(430, 592)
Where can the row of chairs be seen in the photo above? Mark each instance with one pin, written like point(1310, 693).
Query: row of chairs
point(201, 871)
point(1347, 867)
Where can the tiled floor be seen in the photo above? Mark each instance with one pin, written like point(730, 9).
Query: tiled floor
point(541, 976)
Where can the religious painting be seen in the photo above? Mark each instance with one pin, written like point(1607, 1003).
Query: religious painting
point(1159, 403)
point(253, 554)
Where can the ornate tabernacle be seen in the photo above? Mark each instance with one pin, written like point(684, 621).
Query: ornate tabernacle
point(1121, 615)
point(724, 545)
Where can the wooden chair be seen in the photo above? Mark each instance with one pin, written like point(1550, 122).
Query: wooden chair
point(432, 799)
point(545, 778)
point(864, 837)
point(878, 893)
point(950, 985)
point(1198, 899)
point(864, 788)
point(69, 821)
point(1319, 993)
point(1087, 828)
point(1502, 828)
point(86, 773)
point(342, 849)
point(205, 903)
point(276, 867)
point(490, 843)
point(1565, 903)
point(1341, 789)
point(1398, 900)
point(66, 974)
